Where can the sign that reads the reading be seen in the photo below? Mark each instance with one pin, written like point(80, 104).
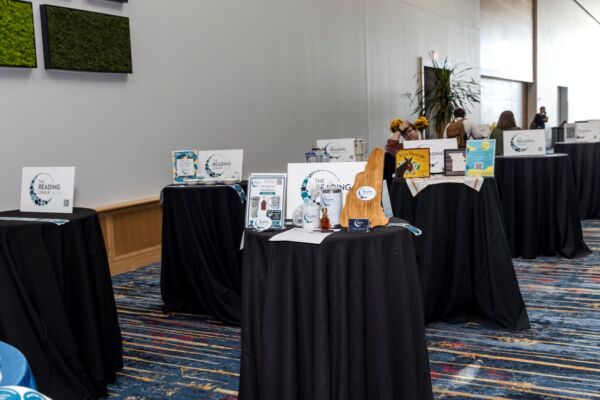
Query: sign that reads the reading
point(338, 150)
point(221, 164)
point(524, 143)
point(47, 189)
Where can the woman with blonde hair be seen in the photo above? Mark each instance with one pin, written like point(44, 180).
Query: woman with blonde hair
point(506, 122)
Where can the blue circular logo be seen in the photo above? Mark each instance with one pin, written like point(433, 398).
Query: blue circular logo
point(321, 178)
point(38, 189)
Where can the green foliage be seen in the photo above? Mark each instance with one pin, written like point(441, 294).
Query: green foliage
point(449, 91)
point(85, 41)
point(17, 39)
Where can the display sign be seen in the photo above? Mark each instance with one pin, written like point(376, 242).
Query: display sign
point(480, 157)
point(47, 189)
point(524, 143)
point(436, 154)
point(338, 150)
point(413, 163)
point(266, 199)
point(220, 164)
point(455, 162)
point(587, 131)
point(304, 177)
point(184, 164)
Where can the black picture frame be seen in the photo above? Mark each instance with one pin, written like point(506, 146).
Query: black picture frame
point(449, 167)
point(48, 49)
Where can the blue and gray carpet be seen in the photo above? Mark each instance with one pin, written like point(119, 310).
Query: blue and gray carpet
point(183, 356)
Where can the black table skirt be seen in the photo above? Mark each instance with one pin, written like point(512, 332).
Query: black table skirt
point(585, 159)
point(201, 259)
point(57, 304)
point(465, 268)
point(338, 321)
point(540, 206)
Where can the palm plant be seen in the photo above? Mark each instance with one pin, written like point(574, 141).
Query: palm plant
point(448, 90)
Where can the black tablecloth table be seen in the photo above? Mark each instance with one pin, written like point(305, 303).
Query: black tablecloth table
point(57, 304)
point(540, 206)
point(585, 159)
point(465, 268)
point(201, 257)
point(340, 320)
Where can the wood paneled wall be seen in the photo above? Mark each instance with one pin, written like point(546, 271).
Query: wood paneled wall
point(132, 233)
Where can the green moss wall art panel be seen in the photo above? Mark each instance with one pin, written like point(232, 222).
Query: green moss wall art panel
point(81, 40)
point(17, 38)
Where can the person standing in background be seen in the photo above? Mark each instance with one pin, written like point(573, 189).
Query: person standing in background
point(540, 119)
point(461, 128)
point(506, 122)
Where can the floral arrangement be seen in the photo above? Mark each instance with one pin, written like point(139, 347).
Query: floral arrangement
point(492, 126)
point(395, 124)
point(421, 123)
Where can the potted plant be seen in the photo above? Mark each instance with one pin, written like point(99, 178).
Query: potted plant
point(448, 90)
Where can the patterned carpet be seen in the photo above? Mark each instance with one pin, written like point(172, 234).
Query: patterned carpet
point(189, 357)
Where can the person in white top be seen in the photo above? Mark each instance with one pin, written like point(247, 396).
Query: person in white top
point(462, 128)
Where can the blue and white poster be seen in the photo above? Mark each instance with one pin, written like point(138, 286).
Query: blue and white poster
point(480, 157)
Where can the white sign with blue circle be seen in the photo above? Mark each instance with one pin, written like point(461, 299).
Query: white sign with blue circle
point(48, 189)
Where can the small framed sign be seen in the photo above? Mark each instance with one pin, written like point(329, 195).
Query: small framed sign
point(266, 199)
point(184, 165)
point(455, 162)
point(436, 151)
point(47, 189)
point(413, 163)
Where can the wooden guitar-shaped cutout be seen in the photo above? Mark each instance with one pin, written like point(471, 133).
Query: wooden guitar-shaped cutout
point(364, 200)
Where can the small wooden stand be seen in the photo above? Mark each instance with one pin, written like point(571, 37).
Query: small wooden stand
point(371, 209)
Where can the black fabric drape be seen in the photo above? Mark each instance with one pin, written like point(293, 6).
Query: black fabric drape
point(338, 321)
point(585, 159)
point(389, 169)
point(201, 259)
point(465, 267)
point(540, 206)
point(57, 304)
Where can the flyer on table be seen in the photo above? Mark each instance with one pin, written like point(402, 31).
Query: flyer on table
point(266, 198)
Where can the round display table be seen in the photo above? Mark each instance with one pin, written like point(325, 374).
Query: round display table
point(57, 304)
point(585, 159)
point(540, 205)
point(339, 320)
point(466, 272)
point(201, 256)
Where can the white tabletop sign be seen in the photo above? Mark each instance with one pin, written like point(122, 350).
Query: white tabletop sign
point(302, 177)
point(524, 143)
point(587, 131)
point(338, 150)
point(437, 147)
point(47, 189)
point(220, 164)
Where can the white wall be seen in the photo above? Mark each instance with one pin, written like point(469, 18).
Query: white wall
point(398, 32)
point(269, 76)
point(567, 56)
